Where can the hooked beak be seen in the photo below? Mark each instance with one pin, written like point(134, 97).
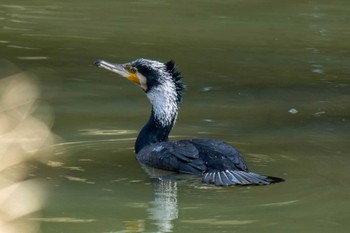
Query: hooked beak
point(119, 69)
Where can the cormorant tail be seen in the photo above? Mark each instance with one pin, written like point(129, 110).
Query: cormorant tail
point(228, 177)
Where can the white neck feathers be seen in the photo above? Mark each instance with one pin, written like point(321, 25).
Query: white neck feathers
point(163, 99)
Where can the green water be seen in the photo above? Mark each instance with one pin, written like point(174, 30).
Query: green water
point(270, 77)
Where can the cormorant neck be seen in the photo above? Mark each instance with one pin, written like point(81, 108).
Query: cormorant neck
point(154, 131)
point(165, 106)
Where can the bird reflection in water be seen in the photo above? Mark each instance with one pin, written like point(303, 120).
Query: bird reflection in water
point(163, 209)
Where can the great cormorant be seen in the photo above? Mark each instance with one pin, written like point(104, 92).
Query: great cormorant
point(215, 161)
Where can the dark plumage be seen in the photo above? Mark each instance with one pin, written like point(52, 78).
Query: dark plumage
point(215, 161)
point(176, 75)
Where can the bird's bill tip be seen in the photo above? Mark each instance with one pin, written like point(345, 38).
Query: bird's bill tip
point(98, 62)
point(115, 68)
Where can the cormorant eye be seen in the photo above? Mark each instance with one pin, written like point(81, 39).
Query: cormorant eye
point(133, 70)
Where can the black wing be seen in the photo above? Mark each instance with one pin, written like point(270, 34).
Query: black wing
point(226, 166)
point(179, 156)
point(219, 155)
point(218, 162)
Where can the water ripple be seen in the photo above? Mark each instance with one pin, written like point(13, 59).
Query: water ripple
point(106, 132)
point(213, 221)
point(21, 47)
point(64, 36)
point(33, 58)
point(63, 220)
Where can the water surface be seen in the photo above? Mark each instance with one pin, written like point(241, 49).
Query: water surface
point(270, 77)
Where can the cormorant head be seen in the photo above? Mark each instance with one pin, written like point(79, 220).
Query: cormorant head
point(160, 81)
point(150, 75)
